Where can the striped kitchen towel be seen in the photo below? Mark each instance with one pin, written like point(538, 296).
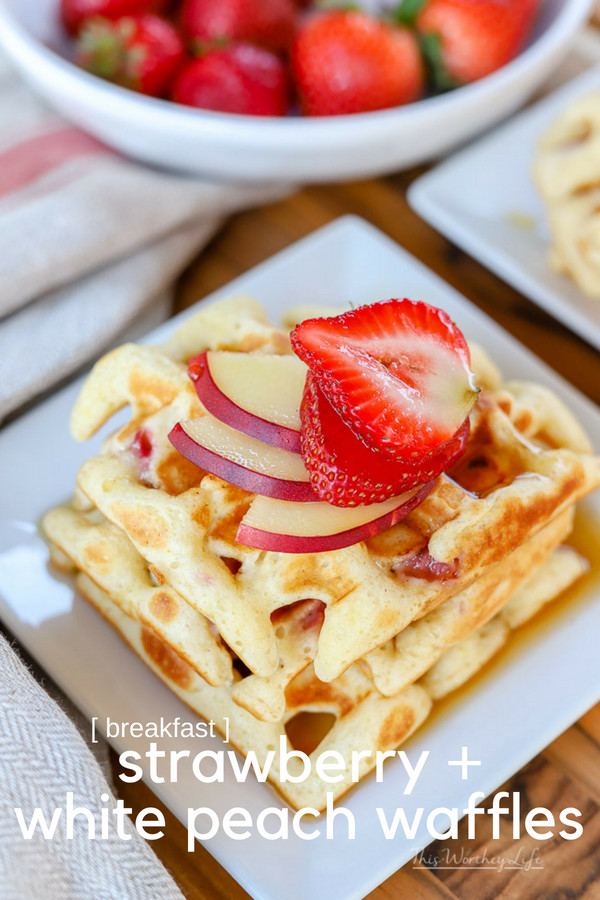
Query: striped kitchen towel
point(42, 759)
point(88, 240)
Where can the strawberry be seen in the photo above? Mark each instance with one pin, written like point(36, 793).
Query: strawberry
point(345, 472)
point(268, 23)
point(139, 52)
point(75, 12)
point(349, 62)
point(238, 78)
point(397, 372)
point(465, 40)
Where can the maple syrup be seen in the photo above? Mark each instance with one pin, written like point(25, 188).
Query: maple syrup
point(585, 538)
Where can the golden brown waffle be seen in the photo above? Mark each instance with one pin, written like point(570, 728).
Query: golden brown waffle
point(261, 637)
point(111, 561)
point(363, 719)
point(466, 657)
point(504, 492)
point(104, 553)
point(418, 647)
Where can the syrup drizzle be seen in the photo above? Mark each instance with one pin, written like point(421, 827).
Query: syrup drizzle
point(585, 538)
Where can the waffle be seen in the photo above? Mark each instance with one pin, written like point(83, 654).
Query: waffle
point(567, 172)
point(104, 552)
point(370, 634)
point(364, 720)
point(418, 647)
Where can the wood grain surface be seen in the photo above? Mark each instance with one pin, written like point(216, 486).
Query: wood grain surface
point(567, 773)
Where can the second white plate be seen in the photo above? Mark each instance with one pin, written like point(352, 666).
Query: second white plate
point(483, 199)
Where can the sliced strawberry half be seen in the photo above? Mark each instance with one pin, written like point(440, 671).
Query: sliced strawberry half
point(397, 372)
point(345, 472)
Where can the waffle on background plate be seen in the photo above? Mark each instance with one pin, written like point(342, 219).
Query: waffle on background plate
point(567, 175)
point(369, 635)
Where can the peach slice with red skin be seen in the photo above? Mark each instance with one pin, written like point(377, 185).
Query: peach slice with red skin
point(244, 461)
point(258, 394)
point(317, 527)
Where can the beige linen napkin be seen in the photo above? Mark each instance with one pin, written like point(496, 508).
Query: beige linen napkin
point(88, 240)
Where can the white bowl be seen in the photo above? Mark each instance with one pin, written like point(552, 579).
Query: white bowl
point(298, 149)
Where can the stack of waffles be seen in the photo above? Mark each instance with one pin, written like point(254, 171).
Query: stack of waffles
point(369, 636)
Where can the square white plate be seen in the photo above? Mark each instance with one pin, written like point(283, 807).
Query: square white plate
point(534, 697)
point(483, 199)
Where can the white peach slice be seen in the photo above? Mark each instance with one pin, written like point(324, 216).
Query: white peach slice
point(242, 460)
point(315, 527)
point(257, 394)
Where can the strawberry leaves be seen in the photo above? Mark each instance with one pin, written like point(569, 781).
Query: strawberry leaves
point(407, 11)
point(438, 74)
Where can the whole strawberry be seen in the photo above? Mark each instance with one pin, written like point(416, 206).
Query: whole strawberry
point(139, 52)
point(75, 12)
point(268, 23)
point(238, 78)
point(349, 62)
point(465, 40)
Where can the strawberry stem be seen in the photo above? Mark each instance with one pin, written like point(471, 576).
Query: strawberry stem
point(104, 48)
point(407, 11)
point(100, 49)
point(201, 47)
point(341, 5)
point(431, 49)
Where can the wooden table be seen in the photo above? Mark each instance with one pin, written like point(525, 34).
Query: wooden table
point(567, 773)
